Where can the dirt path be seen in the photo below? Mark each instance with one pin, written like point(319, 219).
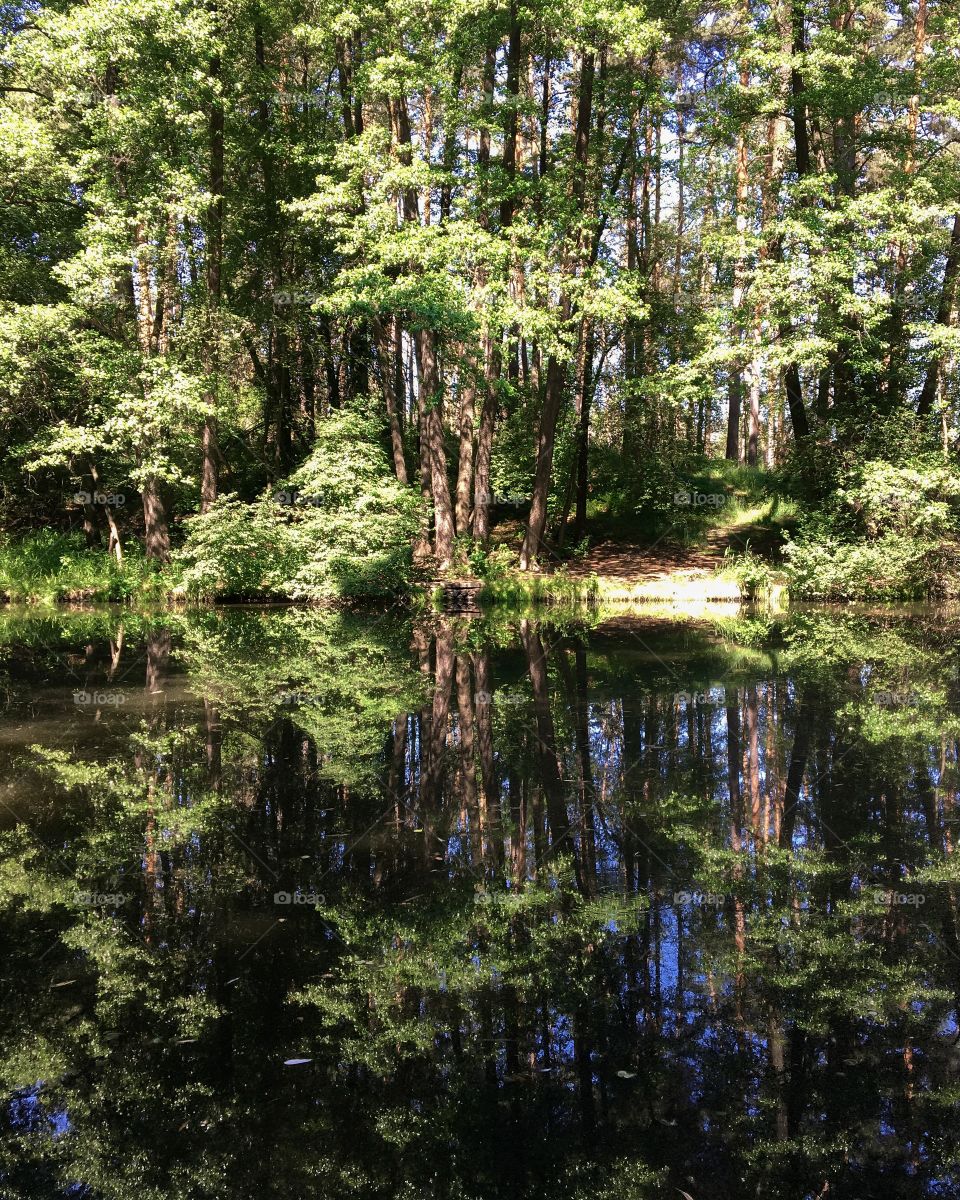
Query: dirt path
point(619, 560)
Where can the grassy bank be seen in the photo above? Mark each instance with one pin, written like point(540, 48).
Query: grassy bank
point(55, 568)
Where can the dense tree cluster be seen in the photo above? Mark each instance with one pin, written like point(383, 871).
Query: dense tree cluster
point(553, 247)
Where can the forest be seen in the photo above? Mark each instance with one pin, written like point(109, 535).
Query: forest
point(479, 599)
point(307, 300)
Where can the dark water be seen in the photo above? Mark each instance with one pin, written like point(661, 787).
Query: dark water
point(297, 905)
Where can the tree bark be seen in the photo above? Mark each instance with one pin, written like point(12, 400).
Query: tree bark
point(465, 466)
point(386, 361)
point(156, 533)
point(794, 37)
point(425, 343)
point(210, 479)
point(928, 393)
point(488, 420)
point(556, 371)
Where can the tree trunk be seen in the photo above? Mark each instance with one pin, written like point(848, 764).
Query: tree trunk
point(210, 480)
point(794, 38)
point(156, 533)
point(425, 342)
point(546, 440)
point(583, 431)
point(897, 348)
point(488, 419)
point(734, 401)
point(465, 466)
point(556, 371)
point(386, 361)
point(928, 392)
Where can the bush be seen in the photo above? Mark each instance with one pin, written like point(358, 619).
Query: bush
point(889, 568)
point(885, 531)
point(340, 526)
point(237, 550)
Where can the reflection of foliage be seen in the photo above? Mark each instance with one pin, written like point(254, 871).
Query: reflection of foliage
point(666, 992)
point(339, 678)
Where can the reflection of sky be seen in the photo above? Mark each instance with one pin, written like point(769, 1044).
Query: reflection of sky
point(26, 1113)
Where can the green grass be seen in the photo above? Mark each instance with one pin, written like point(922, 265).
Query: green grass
point(724, 498)
point(50, 568)
point(521, 590)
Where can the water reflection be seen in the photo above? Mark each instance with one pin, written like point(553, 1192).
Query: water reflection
point(298, 904)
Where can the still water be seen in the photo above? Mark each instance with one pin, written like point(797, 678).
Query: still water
point(303, 905)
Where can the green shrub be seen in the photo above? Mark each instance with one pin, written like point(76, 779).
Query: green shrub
point(888, 568)
point(751, 572)
point(340, 526)
point(885, 531)
point(237, 550)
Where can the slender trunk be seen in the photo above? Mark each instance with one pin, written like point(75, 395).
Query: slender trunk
point(492, 357)
point(465, 466)
point(928, 392)
point(734, 403)
point(210, 482)
point(488, 420)
point(896, 351)
point(510, 123)
point(386, 362)
point(115, 545)
point(546, 440)
point(156, 533)
point(793, 34)
point(556, 371)
point(432, 445)
point(735, 385)
point(583, 431)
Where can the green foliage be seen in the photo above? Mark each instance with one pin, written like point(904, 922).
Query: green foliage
point(49, 567)
point(341, 526)
point(884, 530)
point(237, 551)
point(751, 572)
point(893, 567)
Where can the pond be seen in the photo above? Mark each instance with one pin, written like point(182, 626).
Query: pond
point(298, 904)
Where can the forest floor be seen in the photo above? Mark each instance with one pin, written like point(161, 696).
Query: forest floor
point(669, 572)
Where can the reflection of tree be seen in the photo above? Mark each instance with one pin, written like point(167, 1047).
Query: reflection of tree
point(576, 927)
